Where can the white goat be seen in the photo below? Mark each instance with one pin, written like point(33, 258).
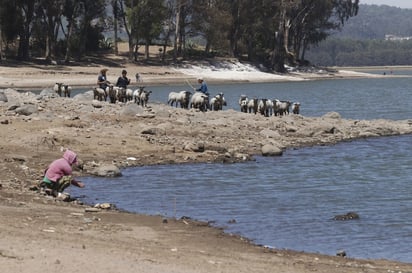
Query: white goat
point(265, 106)
point(182, 97)
point(66, 90)
point(281, 107)
point(129, 94)
point(111, 92)
point(217, 102)
point(136, 95)
point(252, 105)
point(144, 97)
point(62, 89)
point(99, 93)
point(58, 88)
point(199, 101)
point(243, 100)
point(296, 108)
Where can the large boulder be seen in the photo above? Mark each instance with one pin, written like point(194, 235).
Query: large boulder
point(271, 150)
point(26, 109)
point(106, 171)
point(47, 93)
point(86, 96)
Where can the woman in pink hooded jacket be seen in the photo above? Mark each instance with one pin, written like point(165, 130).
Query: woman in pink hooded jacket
point(58, 176)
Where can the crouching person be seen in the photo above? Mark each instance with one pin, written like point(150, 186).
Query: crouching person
point(58, 176)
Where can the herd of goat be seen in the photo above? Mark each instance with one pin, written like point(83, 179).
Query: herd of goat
point(187, 99)
point(201, 101)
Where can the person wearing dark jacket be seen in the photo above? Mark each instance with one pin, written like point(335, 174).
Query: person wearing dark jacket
point(123, 81)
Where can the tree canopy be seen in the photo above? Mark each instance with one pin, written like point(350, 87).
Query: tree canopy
point(272, 32)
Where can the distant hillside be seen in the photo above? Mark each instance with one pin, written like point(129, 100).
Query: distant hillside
point(374, 22)
point(362, 39)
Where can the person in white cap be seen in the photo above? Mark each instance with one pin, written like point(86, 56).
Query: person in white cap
point(203, 86)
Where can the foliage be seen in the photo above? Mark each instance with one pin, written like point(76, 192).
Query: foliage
point(275, 32)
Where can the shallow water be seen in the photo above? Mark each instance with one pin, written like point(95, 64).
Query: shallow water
point(289, 201)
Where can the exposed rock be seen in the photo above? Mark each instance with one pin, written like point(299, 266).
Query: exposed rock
point(270, 133)
point(105, 206)
point(106, 171)
point(332, 115)
point(86, 96)
point(47, 93)
point(153, 131)
point(198, 147)
point(271, 150)
point(347, 216)
point(26, 110)
point(97, 104)
point(131, 109)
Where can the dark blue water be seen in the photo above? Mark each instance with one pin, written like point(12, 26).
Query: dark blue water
point(289, 202)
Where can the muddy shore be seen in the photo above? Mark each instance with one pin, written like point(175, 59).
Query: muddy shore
point(41, 234)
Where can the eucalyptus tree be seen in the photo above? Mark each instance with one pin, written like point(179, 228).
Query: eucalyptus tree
point(143, 21)
point(9, 23)
point(298, 19)
point(116, 15)
point(89, 25)
point(24, 17)
point(152, 13)
point(211, 20)
point(48, 22)
point(168, 26)
point(71, 10)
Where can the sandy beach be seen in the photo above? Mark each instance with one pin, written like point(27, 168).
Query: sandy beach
point(41, 234)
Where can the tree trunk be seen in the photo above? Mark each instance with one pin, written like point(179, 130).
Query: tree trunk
point(24, 45)
point(1, 46)
point(68, 40)
point(234, 35)
point(147, 50)
point(115, 26)
point(177, 30)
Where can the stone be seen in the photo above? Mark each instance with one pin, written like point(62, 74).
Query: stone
point(106, 171)
point(26, 110)
point(271, 150)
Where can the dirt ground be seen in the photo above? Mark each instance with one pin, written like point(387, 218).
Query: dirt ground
point(41, 234)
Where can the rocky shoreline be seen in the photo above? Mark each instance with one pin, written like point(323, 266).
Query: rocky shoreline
point(40, 232)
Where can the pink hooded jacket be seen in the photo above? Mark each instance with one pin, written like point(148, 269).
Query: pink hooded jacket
point(62, 166)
